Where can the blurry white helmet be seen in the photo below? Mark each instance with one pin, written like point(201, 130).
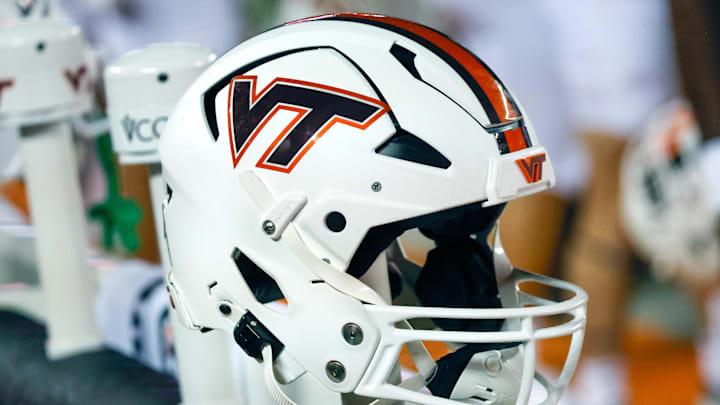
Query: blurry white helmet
point(12, 13)
point(45, 73)
point(664, 206)
point(293, 164)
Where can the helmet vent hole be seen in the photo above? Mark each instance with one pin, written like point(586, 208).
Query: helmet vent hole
point(168, 193)
point(264, 288)
point(406, 58)
point(40, 46)
point(163, 77)
point(211, 286)
point(335, 221)
point(406, 146)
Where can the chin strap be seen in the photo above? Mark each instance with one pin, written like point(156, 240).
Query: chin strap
point(271, 382)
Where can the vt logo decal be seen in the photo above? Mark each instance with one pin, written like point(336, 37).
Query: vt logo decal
point(74, 77)
point(317, 107)
point(26, 7)
point(531, 167)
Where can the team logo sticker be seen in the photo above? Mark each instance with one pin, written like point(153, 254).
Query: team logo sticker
point(318, 107)
point(531, 167)
point(75, 76)
point(25, 8)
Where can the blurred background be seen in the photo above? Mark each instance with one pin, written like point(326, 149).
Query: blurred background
point(624, 95)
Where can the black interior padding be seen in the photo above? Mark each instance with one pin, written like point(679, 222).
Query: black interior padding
point(406, 146)
point(260, 283)
point(102, 377)
point(458, 273)
point(379, 237)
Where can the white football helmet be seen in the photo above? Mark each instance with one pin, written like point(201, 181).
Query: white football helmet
point(295, 161)
point(665, 210)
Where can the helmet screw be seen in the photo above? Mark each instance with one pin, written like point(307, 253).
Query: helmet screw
point(376, 187)
point(335, 371)
point(352, 333)
point(493, 364)
point(269, 227)
point(225, 309)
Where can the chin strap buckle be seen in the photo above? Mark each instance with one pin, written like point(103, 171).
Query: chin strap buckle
point(252, 336)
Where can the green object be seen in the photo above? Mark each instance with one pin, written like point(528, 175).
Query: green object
point(117, 215)
point(260, 15)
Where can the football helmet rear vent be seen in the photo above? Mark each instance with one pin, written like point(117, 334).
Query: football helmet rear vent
point(406, 146)
point(406, 58)
point(263, 287)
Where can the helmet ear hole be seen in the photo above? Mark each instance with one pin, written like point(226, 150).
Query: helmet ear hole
point(335, 221)
point(263, 287)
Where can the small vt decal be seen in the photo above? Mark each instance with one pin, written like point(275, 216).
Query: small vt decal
point(25, 7)
point(74, 77)
point(531, 167)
